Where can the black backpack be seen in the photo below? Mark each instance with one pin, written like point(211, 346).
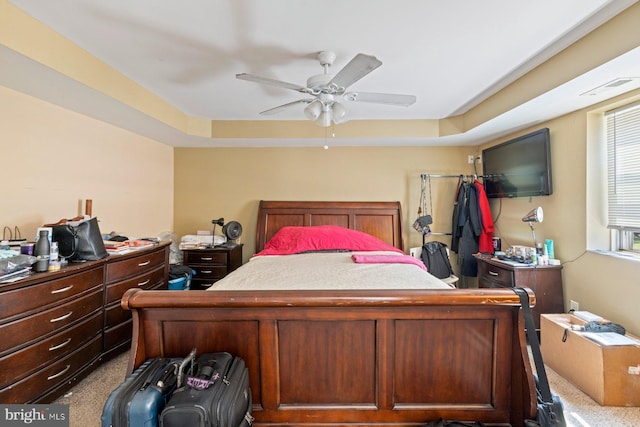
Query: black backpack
point(435, 258)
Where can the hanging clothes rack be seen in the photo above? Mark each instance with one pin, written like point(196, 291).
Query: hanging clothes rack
point(430, 175)
point(458, 176)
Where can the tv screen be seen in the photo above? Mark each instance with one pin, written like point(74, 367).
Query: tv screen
point(520, 167)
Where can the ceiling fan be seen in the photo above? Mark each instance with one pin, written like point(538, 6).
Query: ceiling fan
point(325, 89)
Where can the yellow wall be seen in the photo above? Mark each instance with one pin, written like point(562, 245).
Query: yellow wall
point(53, 159)
point(227, 182)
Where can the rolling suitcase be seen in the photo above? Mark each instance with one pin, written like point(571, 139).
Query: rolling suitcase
point(217, 395)
point(138, 401)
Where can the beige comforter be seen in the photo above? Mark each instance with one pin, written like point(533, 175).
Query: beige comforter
point(326, 271)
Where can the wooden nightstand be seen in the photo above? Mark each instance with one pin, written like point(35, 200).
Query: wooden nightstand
point(544, 281)
point(211, 264)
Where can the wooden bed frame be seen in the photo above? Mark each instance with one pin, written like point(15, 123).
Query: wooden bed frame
point(346, 358)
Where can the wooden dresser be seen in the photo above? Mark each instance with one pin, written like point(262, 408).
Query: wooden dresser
point(212, 264)
point(145, 269)
point(544, 281)
point(56, 327)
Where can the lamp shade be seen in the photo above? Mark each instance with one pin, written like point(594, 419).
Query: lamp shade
point(325, 119)
point(313, 110)
point(339, 113)
point(535, 215)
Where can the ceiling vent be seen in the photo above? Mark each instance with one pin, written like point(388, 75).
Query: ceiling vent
point(613, 84)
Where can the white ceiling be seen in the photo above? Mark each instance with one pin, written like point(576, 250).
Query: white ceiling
point(450, 54)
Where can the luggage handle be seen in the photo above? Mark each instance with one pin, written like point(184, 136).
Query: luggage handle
point(187, 360)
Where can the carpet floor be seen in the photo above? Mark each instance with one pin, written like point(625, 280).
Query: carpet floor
point(87, 398)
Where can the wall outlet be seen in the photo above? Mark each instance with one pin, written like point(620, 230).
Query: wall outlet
point(574, 306)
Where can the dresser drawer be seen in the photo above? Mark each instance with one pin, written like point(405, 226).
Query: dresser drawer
point(52, 375)
point(118, 334)
point(205, 257)
point(23, 331)
point(492, 276)
point(114, 313)
point(29, 359)
point(151, 279)
point(118, 270)
point(21, 301)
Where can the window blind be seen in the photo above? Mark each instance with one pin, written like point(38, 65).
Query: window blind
point(623, 167)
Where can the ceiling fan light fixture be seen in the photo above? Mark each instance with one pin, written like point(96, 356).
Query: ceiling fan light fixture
point(339, 113)
point(325, 119)
point(324, 110)
point(313, 110)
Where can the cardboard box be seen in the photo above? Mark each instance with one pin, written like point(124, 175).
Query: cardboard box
point(609, 374)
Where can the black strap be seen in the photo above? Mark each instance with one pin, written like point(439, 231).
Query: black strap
point(543, 382)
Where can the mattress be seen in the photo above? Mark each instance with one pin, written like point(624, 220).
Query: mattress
point(311, 271)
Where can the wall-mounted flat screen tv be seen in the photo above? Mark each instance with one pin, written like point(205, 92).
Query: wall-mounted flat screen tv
point(520, 167)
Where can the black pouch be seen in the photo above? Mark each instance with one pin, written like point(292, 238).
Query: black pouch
point(80, 240)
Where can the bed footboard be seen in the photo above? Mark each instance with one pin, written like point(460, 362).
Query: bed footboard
point(319, 358)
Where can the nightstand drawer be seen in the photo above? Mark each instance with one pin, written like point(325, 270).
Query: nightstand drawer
point(205, 257)
point(210, 271)
point(494, 276)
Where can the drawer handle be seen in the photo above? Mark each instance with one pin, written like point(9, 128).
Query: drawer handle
point(144, 283)
point(59, 346)
point(142, 264)
point(207, 271)
point(208, 258)
point(59, 373)
point(493, 273)
point(57, 319)
point(59, 291)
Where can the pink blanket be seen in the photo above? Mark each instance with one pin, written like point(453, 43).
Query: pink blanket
point(381, 259)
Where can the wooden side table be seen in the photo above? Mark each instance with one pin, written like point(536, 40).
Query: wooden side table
point(211, 264)
point(544, 281)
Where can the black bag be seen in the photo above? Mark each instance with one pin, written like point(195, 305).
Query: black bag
point(444, 423)
point(218, 395)
point(550, 409)
point(435, 258)
point(80, 241)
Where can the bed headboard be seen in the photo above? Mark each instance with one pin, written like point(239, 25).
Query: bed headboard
point(380, 219)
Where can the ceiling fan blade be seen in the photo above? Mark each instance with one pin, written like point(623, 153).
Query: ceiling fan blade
point(357, 68)
point(271, 82)
point(284, 107)
point(381, 98)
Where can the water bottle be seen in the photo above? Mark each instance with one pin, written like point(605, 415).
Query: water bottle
point(53, 254)
point(41, 252)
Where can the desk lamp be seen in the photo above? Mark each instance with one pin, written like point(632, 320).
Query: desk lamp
point(220, 222)
point(535, 215)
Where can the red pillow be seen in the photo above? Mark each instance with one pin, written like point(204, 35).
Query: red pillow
point(295, 240)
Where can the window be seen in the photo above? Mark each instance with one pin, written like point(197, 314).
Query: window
point(623, 175)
